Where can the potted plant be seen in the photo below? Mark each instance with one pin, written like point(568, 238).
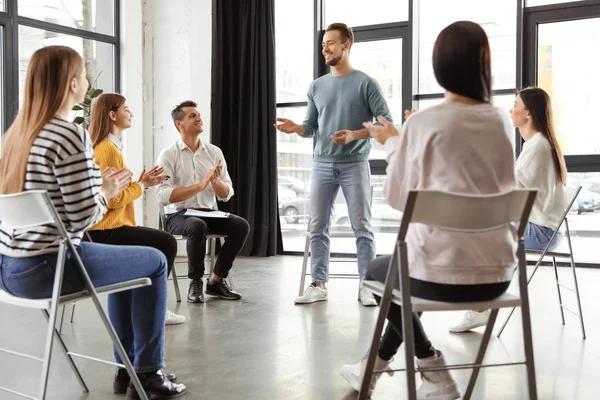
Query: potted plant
point(86, 106)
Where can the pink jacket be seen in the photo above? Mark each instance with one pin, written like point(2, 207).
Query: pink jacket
point(456, 148)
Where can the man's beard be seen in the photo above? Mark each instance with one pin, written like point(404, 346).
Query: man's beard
point(333, 61)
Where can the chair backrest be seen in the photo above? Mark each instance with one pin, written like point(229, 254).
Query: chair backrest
point(571, 193)
point(26, 210)
point(467, 213)
point(162, 221)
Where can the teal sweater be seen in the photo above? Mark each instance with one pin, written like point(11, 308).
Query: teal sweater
point(342, 102)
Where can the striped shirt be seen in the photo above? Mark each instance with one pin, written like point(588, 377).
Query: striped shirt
point(61, 162)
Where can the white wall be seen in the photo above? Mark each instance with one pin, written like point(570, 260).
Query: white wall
point(166, 58)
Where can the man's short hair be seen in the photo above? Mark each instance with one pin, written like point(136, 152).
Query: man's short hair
point(345, 31)
point(177, 114)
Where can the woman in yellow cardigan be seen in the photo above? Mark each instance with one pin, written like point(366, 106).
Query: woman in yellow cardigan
point(110, 118)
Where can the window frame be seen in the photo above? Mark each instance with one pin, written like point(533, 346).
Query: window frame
point(10, 20)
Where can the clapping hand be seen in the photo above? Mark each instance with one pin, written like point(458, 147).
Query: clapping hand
point(153, 177)
point(382, 132)
point(113, 181)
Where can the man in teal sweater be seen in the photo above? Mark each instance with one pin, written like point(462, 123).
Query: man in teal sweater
point(338, 104)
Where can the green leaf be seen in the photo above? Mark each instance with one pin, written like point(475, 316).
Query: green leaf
point(87, 101)
point(77, 108)
point(79, 120)
point(96, 93)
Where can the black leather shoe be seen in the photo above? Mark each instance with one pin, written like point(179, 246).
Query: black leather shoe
point(222, 290)
point(157, 387)
point(195, 292)
point(122, 380)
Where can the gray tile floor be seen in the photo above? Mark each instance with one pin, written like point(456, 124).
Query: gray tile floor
point(264, 347)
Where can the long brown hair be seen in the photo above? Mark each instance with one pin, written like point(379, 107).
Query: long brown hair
point(538, 103)
point(49, 75)
point(462, 61)
point(100, 123)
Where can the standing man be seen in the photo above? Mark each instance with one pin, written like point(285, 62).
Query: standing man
point(198, 177)
point(338, 104)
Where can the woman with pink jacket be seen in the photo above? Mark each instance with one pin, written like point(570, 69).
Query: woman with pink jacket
point(462, 146)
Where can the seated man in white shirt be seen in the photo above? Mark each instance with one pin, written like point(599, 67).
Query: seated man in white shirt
point(198, 176)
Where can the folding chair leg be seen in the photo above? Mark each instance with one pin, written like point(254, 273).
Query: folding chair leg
point(73, 312)
point(52, 319)
point(366, 383)
point(65, 351)
point(109, 328)
point(526, 319)
point(481, 354)
point(513, 309)
point(304, 266)
point(577, 293)
point(560, 303)
point(212, 255)
point(62, 317)
point(230, 276)
point(176, 284)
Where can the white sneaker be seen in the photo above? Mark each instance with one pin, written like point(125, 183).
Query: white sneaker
point(354, 373)
point(174, 319)
point(437, 385)
point(312, 294)
point(471, 320)
point(366, 297)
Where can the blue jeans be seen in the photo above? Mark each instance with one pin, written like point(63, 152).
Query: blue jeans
point(355, 180)
point(137, 315)
point(537, 237)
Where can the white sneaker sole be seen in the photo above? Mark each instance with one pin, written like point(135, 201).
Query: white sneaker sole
point(450, 396)
point(350, 378)
point(369, 303)
point(174, 322)
point(467, 328)
point(309, 301)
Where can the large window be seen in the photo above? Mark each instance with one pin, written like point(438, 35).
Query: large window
point(498, 19)
point(549, 43)
point(88, 26)
point(557, 57)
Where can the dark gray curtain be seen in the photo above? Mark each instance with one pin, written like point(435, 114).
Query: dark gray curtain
point(243, 113)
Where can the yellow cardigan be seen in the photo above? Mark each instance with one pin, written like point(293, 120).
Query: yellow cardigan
point(120, 208)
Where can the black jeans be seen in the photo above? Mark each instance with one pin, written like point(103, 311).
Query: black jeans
point(139, 236)
point(196, 229)
point(392, 338)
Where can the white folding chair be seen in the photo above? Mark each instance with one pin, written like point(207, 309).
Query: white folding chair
point(211, 250)
point(571, 194)
point(462, 213)
point(34, 208)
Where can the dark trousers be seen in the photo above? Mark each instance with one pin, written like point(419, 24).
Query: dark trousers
point(392, 337)
point(139, 236)
point(196, 229)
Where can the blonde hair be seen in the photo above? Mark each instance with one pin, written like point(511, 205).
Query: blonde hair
point(49, 75)
point(100, 123)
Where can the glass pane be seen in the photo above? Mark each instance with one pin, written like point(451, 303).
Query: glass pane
point(498, 18)
point(98, 56)
point(382, 59)
point(360, 12)
point(575, 101)
point(294, 49)
point(533, 3)
point(294, 162)
point(2, 6)
point(584, 217)
point(90, 15)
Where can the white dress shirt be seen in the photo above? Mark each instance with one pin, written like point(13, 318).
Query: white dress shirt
point(186, 168)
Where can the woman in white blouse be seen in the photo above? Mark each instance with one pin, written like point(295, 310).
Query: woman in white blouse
point(540, 165)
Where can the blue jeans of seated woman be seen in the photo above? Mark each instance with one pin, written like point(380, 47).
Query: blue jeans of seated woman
point(137, 315)
point(537, 237)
